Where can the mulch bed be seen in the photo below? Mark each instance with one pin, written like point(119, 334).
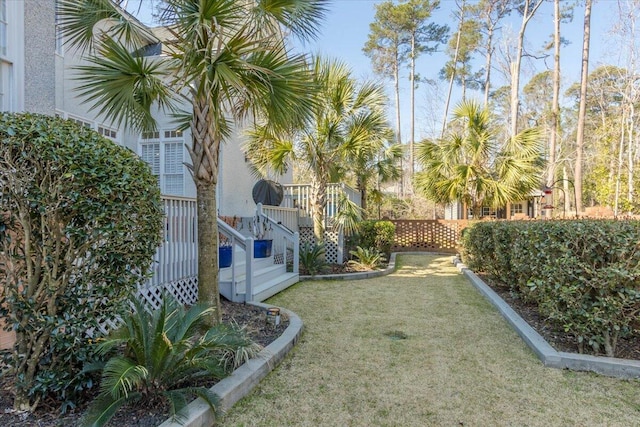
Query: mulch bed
point(553, 334)
point(144, 414)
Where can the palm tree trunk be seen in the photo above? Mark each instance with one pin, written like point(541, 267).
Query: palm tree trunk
point(362, 188)
point(318, 199)
point(208, 291)
point(204, 153)
point(582, 112)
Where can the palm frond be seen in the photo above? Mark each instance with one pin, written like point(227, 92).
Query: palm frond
point(348, 215)
point(301, 17)
point(80, 22)
point(103, 408)
point(121, 376)
point(124, 87)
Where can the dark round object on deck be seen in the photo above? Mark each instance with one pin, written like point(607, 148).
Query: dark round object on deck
point(268, 193)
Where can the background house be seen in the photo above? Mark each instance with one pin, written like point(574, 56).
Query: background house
point(530, 208)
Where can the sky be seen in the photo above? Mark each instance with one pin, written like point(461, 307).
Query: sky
point(346, 28)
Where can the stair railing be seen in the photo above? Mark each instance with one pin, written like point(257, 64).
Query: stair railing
point(286, 242)
point(246, 243)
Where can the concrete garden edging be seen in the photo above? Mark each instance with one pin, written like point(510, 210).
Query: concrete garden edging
point(609, 366)
point(356, 276)
point(240, 383)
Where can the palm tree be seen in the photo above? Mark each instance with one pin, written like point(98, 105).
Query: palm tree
point(471, 166)
point(346, 117)
point(226, 61)
point(372, 163)
point(166, 352)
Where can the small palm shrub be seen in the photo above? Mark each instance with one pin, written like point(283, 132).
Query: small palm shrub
point(312, 258)
point(163, 354)
point(366, 259)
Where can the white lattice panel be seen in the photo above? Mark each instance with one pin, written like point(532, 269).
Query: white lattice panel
point(184, 290)
point(331, 239)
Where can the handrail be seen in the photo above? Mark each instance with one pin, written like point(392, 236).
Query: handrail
point(230, 230)
point(289, 235)
point(245, 243)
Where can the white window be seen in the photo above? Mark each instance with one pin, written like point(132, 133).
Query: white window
point(151, 155)
point(3, 27)
point(81, 122)
point(165, 156)
point(488, 211)
point(516, 208)
point(6, 85)
point(108, 132)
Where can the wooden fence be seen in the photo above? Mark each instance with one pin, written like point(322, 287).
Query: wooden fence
point(427, 235)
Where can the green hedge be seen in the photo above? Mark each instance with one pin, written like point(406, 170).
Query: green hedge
point(376, 234)
point(80, 220)
point(584, 275)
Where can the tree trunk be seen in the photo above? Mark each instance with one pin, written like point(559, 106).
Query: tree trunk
point(630, 165)
point(583, 106)
point(487, 73)
point(208, 290)
point(453, 74)
point(555, 103)
point(616, 195)
point(413, 113)
point(362, 188)
point(396, 82)
point(204, 152)
point(515, 67)
point(318, 200)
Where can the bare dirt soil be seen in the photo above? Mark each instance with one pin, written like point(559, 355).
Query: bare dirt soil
point(143, 414)
point(627, 348)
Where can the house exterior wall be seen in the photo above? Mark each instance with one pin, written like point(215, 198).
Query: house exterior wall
point(39, 48)
point(38, 73)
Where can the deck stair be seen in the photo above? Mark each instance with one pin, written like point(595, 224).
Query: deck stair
point(268, 278)
point(256, 279)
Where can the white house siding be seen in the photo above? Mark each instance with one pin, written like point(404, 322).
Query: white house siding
point(37, 75)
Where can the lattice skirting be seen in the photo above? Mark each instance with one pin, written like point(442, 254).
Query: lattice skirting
point(331, 243)
point(184, 290)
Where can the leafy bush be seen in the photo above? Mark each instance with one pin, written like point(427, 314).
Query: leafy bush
point(584, 275)
point(81, 221)
point(164, 355)
point(312, 258)
point(376, 234)
point(366, 259)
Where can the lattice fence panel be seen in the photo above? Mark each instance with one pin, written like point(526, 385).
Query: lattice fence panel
point(427, 235)
point(331, 243)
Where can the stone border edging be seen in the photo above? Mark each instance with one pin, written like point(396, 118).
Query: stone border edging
point(356, 276)
point(609, 366)
point(240, 383)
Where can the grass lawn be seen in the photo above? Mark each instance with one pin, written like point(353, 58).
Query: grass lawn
point(460, 363)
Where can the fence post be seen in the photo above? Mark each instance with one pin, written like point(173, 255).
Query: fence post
point(248, 289)
point(296, 252)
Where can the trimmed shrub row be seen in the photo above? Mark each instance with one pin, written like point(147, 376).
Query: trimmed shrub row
point(583, 275)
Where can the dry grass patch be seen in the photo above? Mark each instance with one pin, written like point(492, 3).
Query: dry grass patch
point(416, 348)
